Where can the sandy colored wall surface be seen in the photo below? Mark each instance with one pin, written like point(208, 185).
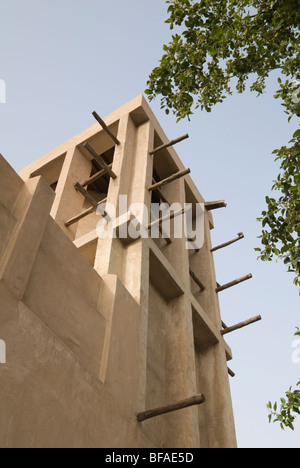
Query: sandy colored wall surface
point(100, 330)
point(60, 328)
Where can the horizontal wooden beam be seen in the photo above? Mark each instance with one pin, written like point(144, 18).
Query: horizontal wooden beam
point(105, 128)
point(170, 143)
point(195, 400)
point(100, 160)
point(222, 246)
point(82, 215)
point(197, 281)
point(233, 283)
point(170, 179)
point(231, 373)
point(215, 205)
point(96, 176)
point(241, 325)
point(169, 217)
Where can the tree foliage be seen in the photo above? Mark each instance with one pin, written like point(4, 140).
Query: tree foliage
point(222, 39)
point(219, 45)
point(289, 406)
point(281, 222)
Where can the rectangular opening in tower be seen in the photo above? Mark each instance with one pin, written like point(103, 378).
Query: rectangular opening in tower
point(197, 264)
point(97, 186)
point(164, 166)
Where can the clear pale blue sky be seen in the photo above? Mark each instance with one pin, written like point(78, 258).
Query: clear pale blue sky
point(62, 59)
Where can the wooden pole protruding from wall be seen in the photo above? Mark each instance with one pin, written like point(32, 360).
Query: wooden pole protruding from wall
point(83, 214)
point(86, 194)
point(197, 281)
point(170, 179)
point(106, 129)
point(100, 160)
point(96, 176)
point(195, 400)
point(241, 325)
point(169, 217)
point(215, 205)
point(231, 373)
point(222, 246)
point(234, 283)
point(170, 143)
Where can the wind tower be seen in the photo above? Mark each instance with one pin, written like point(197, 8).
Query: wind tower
point(111, 341)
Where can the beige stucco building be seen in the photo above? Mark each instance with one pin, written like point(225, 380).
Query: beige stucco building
point(98, 331)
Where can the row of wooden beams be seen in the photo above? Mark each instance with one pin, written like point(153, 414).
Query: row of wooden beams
point(195, 400)
point(170, 179)
point(170, 143)
point(106, 129)
point(222, 246)
point(234, 283)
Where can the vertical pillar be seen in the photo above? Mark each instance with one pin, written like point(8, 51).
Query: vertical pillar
point(135, 268)
point(183, 360)
point(216, 422)
point(136, 260)
point(32, 213)
point(68, 202)
point(109, 251)
point(202, 264)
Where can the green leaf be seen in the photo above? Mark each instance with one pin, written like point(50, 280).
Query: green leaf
point(297, 134)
